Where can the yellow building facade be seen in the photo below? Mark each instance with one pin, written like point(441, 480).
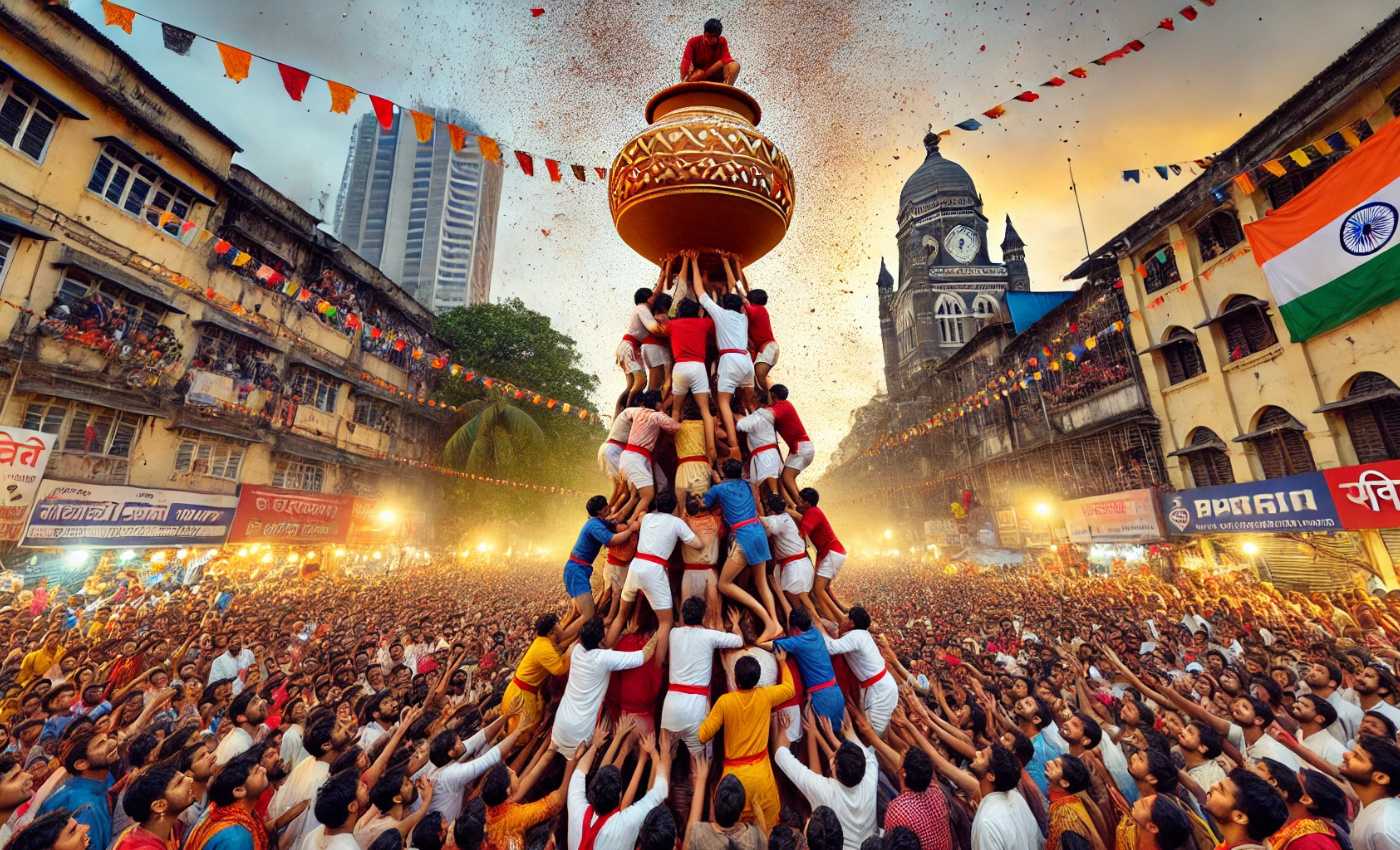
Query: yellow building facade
point(154, 361)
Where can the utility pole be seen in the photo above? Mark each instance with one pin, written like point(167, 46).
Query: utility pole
point(1074, 187)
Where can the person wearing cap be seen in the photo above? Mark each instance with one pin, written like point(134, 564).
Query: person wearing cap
point(707, 58)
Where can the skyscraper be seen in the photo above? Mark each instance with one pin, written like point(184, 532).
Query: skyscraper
point(424, 213)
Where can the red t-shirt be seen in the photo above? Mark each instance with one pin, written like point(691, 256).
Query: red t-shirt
point(690, 339)
point(788, 425)
point(634, 691)
point(815, 527)
point(760, 328)
point(700, 55)
point(623, 553)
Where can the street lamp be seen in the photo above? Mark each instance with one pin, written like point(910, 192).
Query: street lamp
point(1250, 548)
point(1042, 509)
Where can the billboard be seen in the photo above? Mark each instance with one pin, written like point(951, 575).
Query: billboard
point(273, 515)
point(1366, 496)
point(1291, 504)
point(24, 455)
point(1126, 517)
point(109, 516)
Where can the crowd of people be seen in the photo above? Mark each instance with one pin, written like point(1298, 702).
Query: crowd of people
point(108, 326)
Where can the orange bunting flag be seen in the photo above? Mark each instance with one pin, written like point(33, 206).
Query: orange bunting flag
point(527, 163)
point(1350, 136)
point(294, 80)
point(165, 218)
point(996, 111)
point(117, 16)
point(341, 96)
point(422, 126)
point(236, 62)
point(1078, 72)
point(384, 111)
point(241, 259)
point(553, 165)
point(1323, 147)
point(1245, 183)
point(1027, 97)
point(1055, 82)
point(458, 136)
point(489, 149)
point(1275, 167)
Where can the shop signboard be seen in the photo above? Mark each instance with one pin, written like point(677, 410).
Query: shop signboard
point(1291, 504)
point(24, 455)
point(1126, 517)
point(1367, 496)
point(273, 515)
point(108, 516)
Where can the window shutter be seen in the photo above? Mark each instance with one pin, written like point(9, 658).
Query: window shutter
point(1295, 446)
point(1365, 431)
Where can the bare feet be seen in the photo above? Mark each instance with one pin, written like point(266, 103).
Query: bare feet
point(772, 632)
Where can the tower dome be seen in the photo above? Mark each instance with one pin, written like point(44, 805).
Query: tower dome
point(936, 176)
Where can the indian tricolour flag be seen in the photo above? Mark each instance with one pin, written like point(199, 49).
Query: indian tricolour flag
point(1330, 253)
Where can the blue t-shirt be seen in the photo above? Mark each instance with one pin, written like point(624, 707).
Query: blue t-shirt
point(86, 799)
point(813, 660)
point(1044, 753)
point(594, 535)
point(735, 498)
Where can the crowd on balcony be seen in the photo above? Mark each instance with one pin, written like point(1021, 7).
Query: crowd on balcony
point(113, 330)
point(1076, 383)
point(249, 366)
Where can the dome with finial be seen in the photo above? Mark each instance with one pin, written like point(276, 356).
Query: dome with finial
point(885, 280)
point(936, 176)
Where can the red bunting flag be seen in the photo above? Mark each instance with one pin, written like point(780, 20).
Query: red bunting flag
point(1027, 97)
point(276, 278)
point(117, 16)
point(601, 172)
point(580, 174)
point(186, 227)
point(400, 345)
point(536, 12)
point(458, 137)
point(1055, 82)
point(527, 163)
point(1133, 46)
point(375, 332)
point(1078, 72)
point(553, 165)
point(1207, 3)
point(1168, 23)
point(294, 80)
point(1189, 13)
point(384, 111)
point(223, 246)
point(996, 111)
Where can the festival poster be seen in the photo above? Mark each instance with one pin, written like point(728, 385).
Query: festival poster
point(1291, 504)
point(1126, 517)
point(273, 515)
point(24, 455)
point(1367, 496)
point(109, 516)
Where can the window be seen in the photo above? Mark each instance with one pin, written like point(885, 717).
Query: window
point(1246, 327)
point(1218, 233)
point(1373, 422)
point(7, 246)
point(83, 428)
point(77, 286)
point(129, 183)
point(373, 413)
point(950, 320)
point(1285, 188)
point(1279, 441)
point(984, 310)
point(27, 118)
point(202, 454)
point(296, 475)
point(1159, 268)
point(1182, 356)
point(316, 388)
point(1207, 460)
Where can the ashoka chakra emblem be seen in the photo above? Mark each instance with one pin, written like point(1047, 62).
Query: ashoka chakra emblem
point(1368, 228)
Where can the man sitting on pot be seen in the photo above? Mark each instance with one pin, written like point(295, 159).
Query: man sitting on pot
point(707, 57)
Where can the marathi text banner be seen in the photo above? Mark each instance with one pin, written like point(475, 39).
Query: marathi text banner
point(103, 516)
point(272, 515)
point(1291, 504)
point(24, 455)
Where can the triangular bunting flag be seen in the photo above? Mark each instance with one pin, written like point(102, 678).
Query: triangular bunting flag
point(601, 172)
point(1176, 169)
point(176, 40)
point(117, 16)
point(1027, 97)
point(458, 136)
point(1276, 167)
point(1300, 156)
point(1078, 72)
point(1133, 46)
point(1167, 24)
point(969, 125)
point(186, 227)
point(222, 247)
point(527, 163)
point(1161, 171)
point(236, 62)
point(341, 96)
point(489, 149)
point(553, 165)
point(1132, 174)
point(579, 173)
point(995, 112)
point(1189, 13)
point(1054, 82)
point(384, 111)
point(422, 126)
point(241, 259)
point(294, 80)
point(165, 217)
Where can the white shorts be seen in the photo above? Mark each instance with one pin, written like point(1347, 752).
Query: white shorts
point(879, 701)
point(628, 358)
point(733, 371)
point(830, 565)
point(565, 750)
point(609, 454)
point(690, 377)
point(768, 355)
point(801, 457)
point(793, 715)
point(683, 713)
point(615, 576)
point(651, 580)
point(796, 576)
point(764, 465)
point(696, 582)
point(637, 468)
point(656, 355)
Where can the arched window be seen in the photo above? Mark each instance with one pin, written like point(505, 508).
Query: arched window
point(1159, 268)
point(1218, 233)
point(1206, 458)
point(1371, 411)
point(1279, 441)
point(984, 310)
point(1181, 355)
point(949, 313)
point(1246, 326)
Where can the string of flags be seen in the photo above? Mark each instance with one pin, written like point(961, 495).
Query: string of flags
point(1345, 138)
point(1187, 13)
point(1169, 170)
point(191, 234)
point(238, 62)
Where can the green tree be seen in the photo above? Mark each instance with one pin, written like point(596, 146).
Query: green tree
point(508, 340)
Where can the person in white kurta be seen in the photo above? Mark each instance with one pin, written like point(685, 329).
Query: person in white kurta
point(230, 665)
point(795, 571)
point(692, 664)
point(1004, 822)
point(590, 670)
point(879, 693)
point(854, 805)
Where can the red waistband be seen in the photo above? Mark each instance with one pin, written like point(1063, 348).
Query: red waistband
point(632, 339)
point(524, 686)
point(690, 566)
point(763, 448)
point(792, 703)
point(821, 686)
point(790, 558)
point(612, 442)
point(743, 351)
point(655, 559)
point(698, 690)
point(743, 522)
point(692, 459)
point(575, 559)
point(618, 562)
point(743, 761)
point(877, 677)
point(641, 450)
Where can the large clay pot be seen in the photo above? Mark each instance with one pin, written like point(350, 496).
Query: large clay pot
point(702, 177)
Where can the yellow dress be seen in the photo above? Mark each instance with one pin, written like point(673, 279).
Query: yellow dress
point(1067, 814)
point(745, 716)
point(692, 475)
point(541, 661)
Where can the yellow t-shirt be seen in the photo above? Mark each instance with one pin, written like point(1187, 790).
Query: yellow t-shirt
point(541, 661)
point(745, 716)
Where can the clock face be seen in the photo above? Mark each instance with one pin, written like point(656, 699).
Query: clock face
point(962, 243)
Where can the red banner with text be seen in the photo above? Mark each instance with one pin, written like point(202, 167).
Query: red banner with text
point(272, 515)
point(1368, 495)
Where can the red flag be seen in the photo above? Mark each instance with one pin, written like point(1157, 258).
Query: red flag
point(1207, 3)
point(1055, 82)
point(579, 173)
point(1189, 13)
point(527, 163)
point(601, 172)
point(294, 80)
point(1168, 23)
point(223, 246)
point(1133, 46)
point(1027, 97)
point(536, 12)
point(996, 111)
point(458, 136)
point(553, 166)
point(384, 111)
point(1078, 72)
